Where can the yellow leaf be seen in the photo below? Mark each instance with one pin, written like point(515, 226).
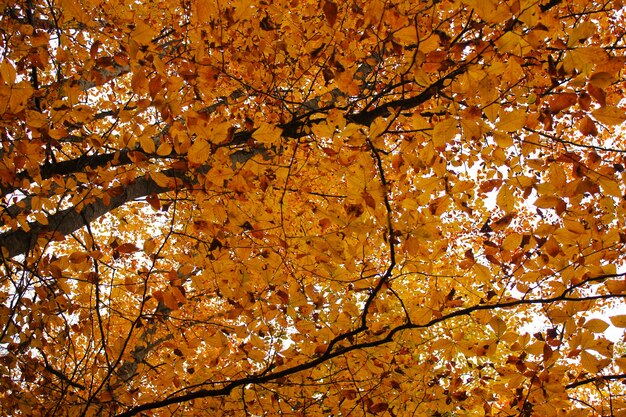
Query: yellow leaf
point(267, 134)
point(483, 274)
point(583, 59)
point(378, 127)
point(616, 286)
point(580, 32)
point(406, 36)
point(498, 325)
point(589, 362)
point(7, 71)
point(72, 9)
point(552, 202)
point(610, 187)
point(511, 42)
point(199, 152)
point(610, 115)
point(149, 245)
point(204, 10)
point(621, 363)
point(161, 179)
point(506, 199)
point(512, 241)
point(143, 33)
point(444, 131)
point(164, 149)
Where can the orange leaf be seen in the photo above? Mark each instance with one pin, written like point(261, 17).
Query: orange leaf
point(586, 126)
point(154, 201)
point(562, 101)
point(199, 152)
point(602, 79)
point(512, 121)
point(170, 300)
point(267, 134)
point(610, 115)
point(143, 33)
point(619, 320)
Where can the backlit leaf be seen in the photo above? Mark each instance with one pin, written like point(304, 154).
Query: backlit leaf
point(199, 152)
point(267, 134)
point(147, 144)
point(312, 208)
point(610, 115)
point(596, 325)
point(143, 33)
point(618, 320)
point(512, 121)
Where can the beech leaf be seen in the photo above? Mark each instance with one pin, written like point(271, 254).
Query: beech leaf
point(610, 115)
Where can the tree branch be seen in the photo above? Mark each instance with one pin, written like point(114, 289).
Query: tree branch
point(66, 221)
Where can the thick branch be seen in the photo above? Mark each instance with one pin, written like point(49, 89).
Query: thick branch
point(71, 166)
point(596, 379)
point(64, 222)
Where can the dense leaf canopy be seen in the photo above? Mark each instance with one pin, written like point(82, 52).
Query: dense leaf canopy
point(370, 207)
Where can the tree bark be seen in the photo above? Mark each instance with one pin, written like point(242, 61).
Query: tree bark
point(64, 222)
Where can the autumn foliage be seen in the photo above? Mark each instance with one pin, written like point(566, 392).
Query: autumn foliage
point(312, 208)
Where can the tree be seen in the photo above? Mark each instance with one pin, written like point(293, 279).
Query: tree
point(312, 208)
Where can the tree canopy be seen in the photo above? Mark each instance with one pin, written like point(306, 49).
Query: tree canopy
point(251, 208)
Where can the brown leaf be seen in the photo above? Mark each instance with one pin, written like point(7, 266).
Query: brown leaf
point(586, 126)
point(378, 408)
point(127, 248)
point(561, 102)
point(330, 12)
point(154, 201)
point(369, 200)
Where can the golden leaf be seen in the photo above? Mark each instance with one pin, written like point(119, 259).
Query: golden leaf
point(267, 134)
point(199, 152)
point(161, 179)
point(143, 33)
point(596, 325)
point(444, 131)
point(512, 121)
point(147, 144)
point(610, 115)
point(406, 36)
point(618, 320)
